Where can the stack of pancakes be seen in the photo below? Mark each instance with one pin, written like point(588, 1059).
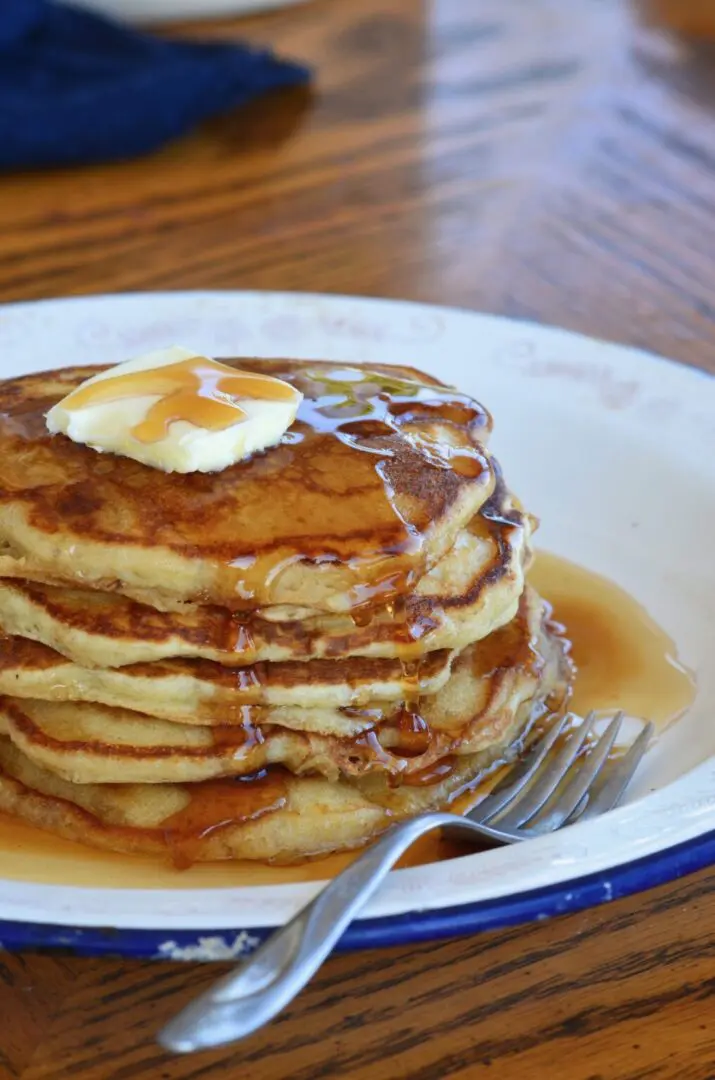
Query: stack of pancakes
point(277, 660)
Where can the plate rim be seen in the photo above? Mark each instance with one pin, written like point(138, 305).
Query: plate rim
point(130, 296)
point(411, 927)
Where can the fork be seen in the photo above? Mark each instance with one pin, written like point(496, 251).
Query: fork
point(555, 784)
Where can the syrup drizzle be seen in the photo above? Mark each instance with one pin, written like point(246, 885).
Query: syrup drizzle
point(215, 805)
point(200, 391)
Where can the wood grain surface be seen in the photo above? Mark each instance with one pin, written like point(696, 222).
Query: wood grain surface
point(545, 159)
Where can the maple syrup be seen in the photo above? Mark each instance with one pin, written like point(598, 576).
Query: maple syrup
point(433, 774)
point(624, 660)
point(413, 732)
point(214, 805)
point(244, 736)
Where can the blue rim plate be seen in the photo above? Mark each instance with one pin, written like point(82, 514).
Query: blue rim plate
point(595, 438)
point(411, 928)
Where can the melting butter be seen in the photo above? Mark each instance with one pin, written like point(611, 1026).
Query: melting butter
point(176, 411)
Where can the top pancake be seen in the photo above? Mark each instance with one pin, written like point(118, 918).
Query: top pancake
point(365, 493)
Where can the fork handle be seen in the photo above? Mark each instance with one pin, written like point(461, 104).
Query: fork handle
point(271, 977)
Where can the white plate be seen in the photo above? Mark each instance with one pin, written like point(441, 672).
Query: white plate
point(148, 11)
point(613, 448)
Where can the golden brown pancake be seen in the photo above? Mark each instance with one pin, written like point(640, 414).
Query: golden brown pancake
point(202, 692)
point(490, 682)
point(273, 817)
point(365, 493)
point(472, 591)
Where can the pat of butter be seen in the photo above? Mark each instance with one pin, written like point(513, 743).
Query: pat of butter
point(178, 412)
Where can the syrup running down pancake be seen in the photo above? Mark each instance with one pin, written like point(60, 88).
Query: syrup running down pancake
point(365, 492)
point(488, 685)
point(274, 815)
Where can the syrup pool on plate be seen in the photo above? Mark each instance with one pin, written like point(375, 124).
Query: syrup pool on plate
point(624, 660)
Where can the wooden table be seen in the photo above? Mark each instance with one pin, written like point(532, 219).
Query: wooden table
point(539, 158)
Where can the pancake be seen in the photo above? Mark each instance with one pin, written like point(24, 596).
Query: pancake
point(471, 592)
point(365, 493)
point(202, 692)
point(276, 817)
point(523, 663)
point(276, 661)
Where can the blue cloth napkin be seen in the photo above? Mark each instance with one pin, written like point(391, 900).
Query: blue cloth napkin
point(76, 88)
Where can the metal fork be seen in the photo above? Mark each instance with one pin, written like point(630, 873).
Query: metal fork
point(555, 784)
